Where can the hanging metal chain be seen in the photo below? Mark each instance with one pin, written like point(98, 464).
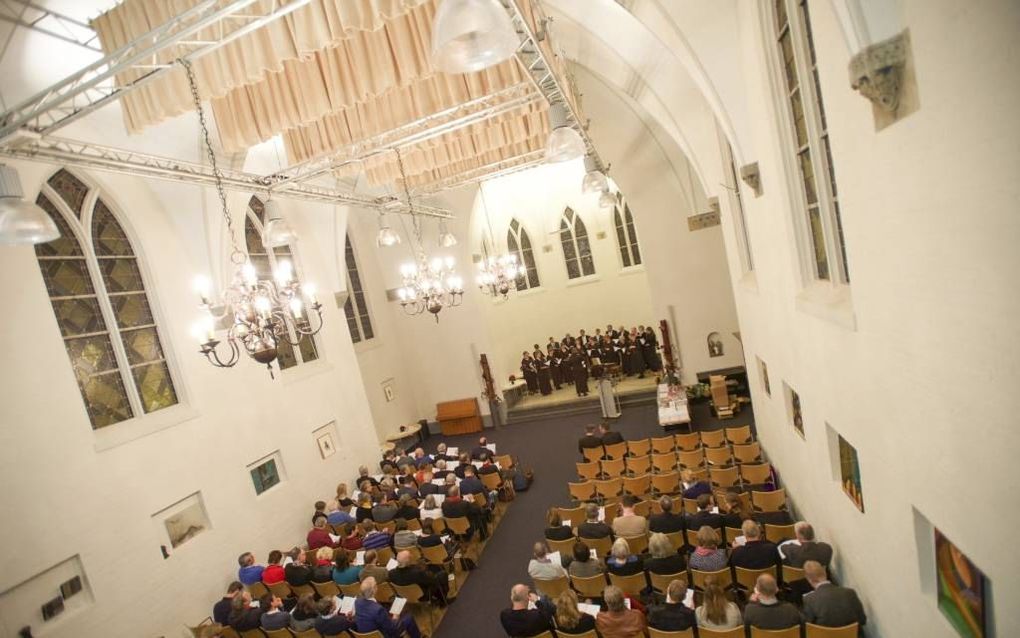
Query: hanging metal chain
point(235, 252)
point(415, 222)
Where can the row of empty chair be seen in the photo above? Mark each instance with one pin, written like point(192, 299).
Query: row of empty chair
point(672, 443)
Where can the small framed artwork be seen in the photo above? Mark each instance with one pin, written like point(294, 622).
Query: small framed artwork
point(327, 447)
point(850, 473)
point(715, 344)
point(387, 389)
point(962, 589)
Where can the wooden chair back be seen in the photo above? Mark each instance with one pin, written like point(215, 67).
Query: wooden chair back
point(353, 590)
point(505, 461)
point(564, 547)
point(252, 633)
point(375, 633)
point(664, 462)
point(739, 435)
point(731, 533)
point(616, 450)
point(688, 442)
point(713, 438)
point(552, 587)
point(747, 452)
point(736, 632)
point(301, 590)
point(588, 471)
point(230, 632)
point(639, 447)
point(613, 468)
point(637, 544)
point(692, 459)
point(413, 593)
point(660, 582)
point(769, 501)
point(789, 632)
point(747, 577)
point(658, 633)
point(589, 586)
point(435, 555)
point(592, 453)
point(492, 481)
point(609, 488)
point(793, 574)
point(637, 465)
point(326, 590)
point(676, 539)
point(723, 578)
point(573, 514)
point(257, 590)
point(718, 456)
point(756, 473)
point(668, 483)
point(600, 545)
point(690, 505)
point(817, 631)
point(779, 533)
point(663, 444)
point(582, 491)
point(638, 486)
point(545, 634)
point(384, 593)
point(632, 584)
point(281, 589)
point(587, 634)
point(724, 476)
point(643, 508)
point(307, 633)
point(384, 554)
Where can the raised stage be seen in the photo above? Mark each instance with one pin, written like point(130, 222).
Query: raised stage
point(631, 390)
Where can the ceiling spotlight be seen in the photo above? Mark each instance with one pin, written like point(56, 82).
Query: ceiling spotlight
point(471, 35)
point(387, 236)
point(277, 231)
point(564, 142)
point(21, 222)
point(446, 238)
point(594, 180)
point(607, 199)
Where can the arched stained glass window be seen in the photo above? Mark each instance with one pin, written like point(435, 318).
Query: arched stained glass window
point(98, 294)
point(626, 235)
point(264, 260)
point(519, 244)
point(356, 307)
point(576, 247)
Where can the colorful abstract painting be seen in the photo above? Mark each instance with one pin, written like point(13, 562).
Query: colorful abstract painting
point(961, 588)
point(850, 473)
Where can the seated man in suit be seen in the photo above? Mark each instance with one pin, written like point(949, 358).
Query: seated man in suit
point(667, 522)
point(330, 622)
point(590, 440)
point(672, 615)
point(756, 552)
point(370, 616)
point(628, 523)
point(830, 605)
point(806, 548)
point(455, 507)
point(481, 452)
point(704, 515)
point(273, 615)
point(765, 611)
point(373, 568)
point(221, 610)
point(592, 527)
point(521, 622)
point(608, 437)
point(433, 582)
point(471, 484)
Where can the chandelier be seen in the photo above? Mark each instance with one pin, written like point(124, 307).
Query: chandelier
point(496, 273)
point(263, 315)
point(427, 285)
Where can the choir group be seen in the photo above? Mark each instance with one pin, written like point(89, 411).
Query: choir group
point(574, 359)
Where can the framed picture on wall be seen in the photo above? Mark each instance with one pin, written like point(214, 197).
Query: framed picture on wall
point(962, 589)
point(387, 388)
point(327, 447)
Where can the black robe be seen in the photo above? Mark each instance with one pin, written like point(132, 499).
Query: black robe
point(649, 353)
point(544, 376)
point(579, 370)
point(634, 360)
point(556, 367)
point(530, 376)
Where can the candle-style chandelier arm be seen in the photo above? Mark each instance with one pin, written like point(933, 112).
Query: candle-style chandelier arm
point(211, 351)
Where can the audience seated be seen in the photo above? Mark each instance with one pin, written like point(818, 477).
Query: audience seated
point(339, 514)
point(403, 538)
point(736, 513)
point(406, 509)
point(471, 484)
point(454, 506)
point(429, 509)
point(364, 509)
point(441, 454)
point(693, 486)
point(373, 568)
point(221, 610)
point(704, 515)
point(385, 511)
point(756, 552)
point(569, 619)
point(555, 530)
point(463, 462)
point(322, 572)
point(304, 614)
point(617, 621)
point(421, 458)
point(352, 541)
point(628, 523)
point(621, 562)
point(609, 437)
point(319, 536)
point(273, 615)
point(765, 611)
point(243, 616)
point(830, 605)
point(663, 559)
point(343, 572)
point(363, 476)
point(297, 572)
point(481, 452)
point(342, 499)
point(806, 548)
point(426, 487)
point(330, 622)
point(433, 582)
point(520, 622)
point(592, 527)
point(583, 565)
point(375, 538)
point(716, 611)
point(590, 440)
point(667, 522)
point(320, 510)
point(541, 567)
point(249, 573)
point(369, 615)
point(707, 556)
point(273, 573)
point(673, 615)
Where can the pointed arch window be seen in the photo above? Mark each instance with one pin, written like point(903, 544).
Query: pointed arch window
point(576, 247)
point(519, 244)
point(265, 260)
point(356, 307)
point(626, 234)
point(98, 292)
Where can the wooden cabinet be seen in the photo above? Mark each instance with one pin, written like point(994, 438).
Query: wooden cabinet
point(459, 417)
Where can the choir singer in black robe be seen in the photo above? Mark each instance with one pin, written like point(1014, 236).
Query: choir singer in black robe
point(544, 376)
point(579, 370)
point(556, 365)
point(530, 375)
point(650, 351)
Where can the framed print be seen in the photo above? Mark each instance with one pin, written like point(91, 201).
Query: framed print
point(327, 447)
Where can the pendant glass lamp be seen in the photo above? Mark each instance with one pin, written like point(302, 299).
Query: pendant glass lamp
point(21, 222)
point(607, 199)
point(471, 35)
point(594, 181)
point(387, 236)
point(564, 142)
point(446, 238)
point(277, 231)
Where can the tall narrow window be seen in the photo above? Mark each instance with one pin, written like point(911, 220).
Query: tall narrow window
point(98, 294)
point(626, 235)
point(739, 221)
point(265, 260)
point(518, 243)
point(356, 308)
point(811, 139)
point(576, 248)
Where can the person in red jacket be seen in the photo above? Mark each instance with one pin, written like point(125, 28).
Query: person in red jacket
point(319, 535)
point(273, 573)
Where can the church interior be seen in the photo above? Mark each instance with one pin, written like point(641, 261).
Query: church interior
point(357, 317)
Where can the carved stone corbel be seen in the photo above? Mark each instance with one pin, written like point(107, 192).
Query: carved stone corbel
point(876, 72)
point(749, 173)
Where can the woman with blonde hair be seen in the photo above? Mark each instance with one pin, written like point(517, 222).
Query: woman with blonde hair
point(555, 530)
point(736, 513)
point(621, 562)
point(322, 571)
point(342, 497)
point(569, 619)
point(664, 558)
point(716, 611)
point(707, 556)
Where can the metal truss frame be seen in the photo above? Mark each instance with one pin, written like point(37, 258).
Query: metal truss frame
point(46, 21)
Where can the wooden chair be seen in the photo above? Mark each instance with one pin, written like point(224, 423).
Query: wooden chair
point(691, 460)
point(660, 582)
point(307, 633)
point(545, 634)
point(747, 453)
point(437, 555)
point(384, 593)
point(663, 463)
point(723, 578)
point(592, 453)
point(774, 501)
point(747, 577)
point(745, 498)
point(658, 633)
point(739, 435)
point(589, 586)
point(779, 533)
point(632, 584)
point(663, 444)
point(690, 505)
point(413, 524)
point(326, 590)
point(613, 468)
point(637, 465)
point(252, 633)
point(724, 476)
point(610, 488)
point(416, 596)
point(756, 473)
point(638, 486)
point(643, 508)
point(610, 511)
point(676, 539)
point(573, 514)
point(384, 554)
point(718, 456)
point(639, 447)
point(281, 589)
point(551, 587)
point(793, 574)
point(817, 631)
point(230, 632)
point(375, 633)
point(564, 547)
point(789, 632)
point(700, 474)
point(353, 590)
point(505, 461)
point(582, 491)
point(616, 450)
point(637, 544)
point(562, 634)
point(736, 632)
point(688, 442)
point(600, 545)
point(588, 471)
point(692, 537)
point(301, 590)
point(668, 483)
point(731, 533)
point(257, 590)
point(713, 438)
point(492, 481)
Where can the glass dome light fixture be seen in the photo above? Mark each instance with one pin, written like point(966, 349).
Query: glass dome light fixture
point(387, 237)
point(22, 222)
point(564, 143)
point(471, 35)
point(594, 180)
point(446, 238)
point(277, 231)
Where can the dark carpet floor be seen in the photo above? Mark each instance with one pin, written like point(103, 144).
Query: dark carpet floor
point(550, 449)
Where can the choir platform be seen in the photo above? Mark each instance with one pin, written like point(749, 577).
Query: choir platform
point(630, 390)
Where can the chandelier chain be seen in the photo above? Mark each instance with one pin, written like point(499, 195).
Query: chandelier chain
point(415, 222)
point(217, 174)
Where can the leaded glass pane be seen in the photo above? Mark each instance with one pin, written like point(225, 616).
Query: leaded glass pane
point(308, 350)
point(799, 123)
point(635, 252)
point(64, 246)
point(121, 275)
point(807, 170)
point(142, 345)
point(587, 263)
point(366, 322)
point(569, 253)
point(90, 355)
point(842, 242)
point(66, 277)
point(108, 237)
point(253, 238)
point(285, 355)
point(818, 242)
point(106, 400)
point(257, 207)
point(621, 237)
point(780, 14)
point(71, 190)
point(78, 316)
point(155, 387)
point(132, 310)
